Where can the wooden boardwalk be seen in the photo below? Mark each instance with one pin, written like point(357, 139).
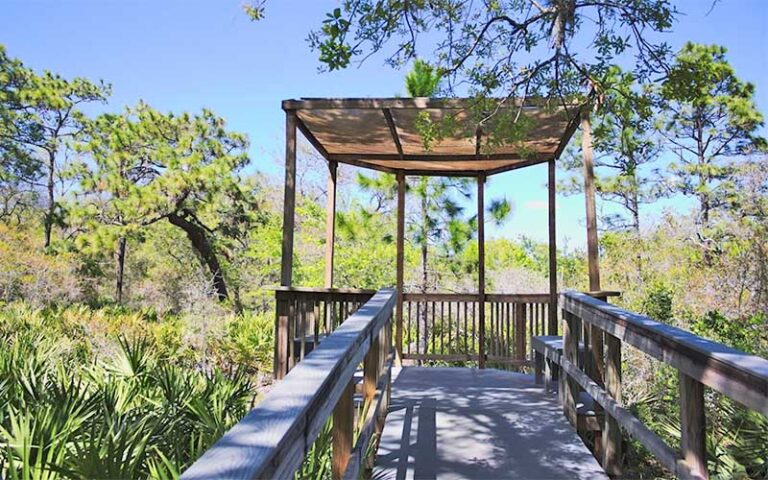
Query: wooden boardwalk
point(452, 423)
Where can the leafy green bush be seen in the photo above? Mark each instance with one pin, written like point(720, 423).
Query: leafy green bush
point(658, 302)
point(249, 342)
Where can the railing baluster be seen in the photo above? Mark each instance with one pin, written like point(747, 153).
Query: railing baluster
point(410, 339)
point(418, 328)
point(520, 331)
point(450, 326)
point(316, 320)
point(291, 332)
point(302, 327)
point(442, 328)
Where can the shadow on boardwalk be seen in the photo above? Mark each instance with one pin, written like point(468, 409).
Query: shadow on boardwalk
point(451, 423)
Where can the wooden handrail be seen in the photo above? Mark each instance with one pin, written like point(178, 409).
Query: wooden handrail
point(699, 361)
point(305, 315)
point(741, 376)
point(272, 439)
point(362, 291)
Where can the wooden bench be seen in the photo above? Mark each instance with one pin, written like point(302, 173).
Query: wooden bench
point(547, 352)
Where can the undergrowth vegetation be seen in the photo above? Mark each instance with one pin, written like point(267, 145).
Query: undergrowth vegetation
point(81, 399)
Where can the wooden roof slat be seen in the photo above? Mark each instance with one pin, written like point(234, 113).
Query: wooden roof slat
point(383, 134)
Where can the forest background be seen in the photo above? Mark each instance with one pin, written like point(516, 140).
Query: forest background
point(137, 243)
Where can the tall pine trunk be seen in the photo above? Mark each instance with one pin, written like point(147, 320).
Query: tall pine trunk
point(120, 273)
point(634, 207)
point(51, 206)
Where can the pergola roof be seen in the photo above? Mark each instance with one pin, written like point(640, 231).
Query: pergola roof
point(381, 134)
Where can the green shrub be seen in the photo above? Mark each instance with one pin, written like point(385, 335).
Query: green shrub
point(137, 413)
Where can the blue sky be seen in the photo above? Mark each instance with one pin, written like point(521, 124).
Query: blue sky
point(186, 55)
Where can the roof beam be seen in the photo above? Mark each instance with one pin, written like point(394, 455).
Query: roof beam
point(515, 166)
point(343, 157)
point(569, 131)
point(393, 130)
point(394, 103)
point(311, 137)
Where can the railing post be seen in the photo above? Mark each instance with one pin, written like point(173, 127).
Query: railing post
point(611, 430)
point(595, 369)
point(400, 246)
point(569, 387)
point(693, 425)
point(343, 424)
point(281, 338)
point(371, 367)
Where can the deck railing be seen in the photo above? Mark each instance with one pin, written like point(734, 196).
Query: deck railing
point(440, 327)
point(447, 327)
point(273, 438)
point(304, 316)
point(700, 362)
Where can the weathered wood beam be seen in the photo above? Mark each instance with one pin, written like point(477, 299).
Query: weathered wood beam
point(396, 103)
point(289, 199)
point(589, 199)
point(330, 223)
point(552, 318)
point(393, 131)
point(437, 157)
point(573, 124)
point(481, 264)
point(400, 242)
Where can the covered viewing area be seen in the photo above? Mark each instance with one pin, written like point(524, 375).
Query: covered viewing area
point(461, 385)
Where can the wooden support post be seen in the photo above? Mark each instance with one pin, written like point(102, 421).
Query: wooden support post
point(569, 387)
point(552, 320)
point(693, 425)
point(281, 340)
point(538, 368)
point(589, 198)
point(400, 266)
point(289, 199)
point(481, 266)
point(371, 366)
point(330, 223)
point(343, 425)
point(611, 430)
